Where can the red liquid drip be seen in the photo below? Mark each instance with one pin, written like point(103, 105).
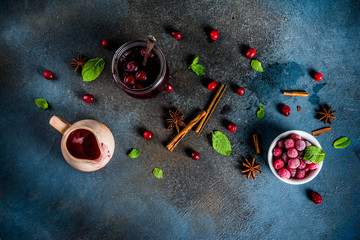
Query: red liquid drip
point(82, 143)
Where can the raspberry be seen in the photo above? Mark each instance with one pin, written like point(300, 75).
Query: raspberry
point(316, 198)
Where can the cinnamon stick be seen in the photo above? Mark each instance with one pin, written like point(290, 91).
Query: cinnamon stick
point(321, 131)
point(171, 146)
point(296, 93)
point(256, 143)
point(211, 108)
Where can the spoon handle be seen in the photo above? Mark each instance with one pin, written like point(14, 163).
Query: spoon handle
point(149, 46)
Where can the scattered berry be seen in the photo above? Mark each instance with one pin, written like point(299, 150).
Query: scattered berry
point(176, 34)
point(284, 173)
point(250, 53)
point(214, 34)
point(289, 143)
point(277, 152)
point(49, 75)
point(132, 66)
point(88, 98)
point(195, 155)
point(316, 198)
point(318, 77)
point(129, 80)
point(232, 127)
point(278, 164)
point(105, 43)
point(285, 110)
point(141, 76)
point(241, 91)
point(169, 88)
point(212, 85)
point(148, 135)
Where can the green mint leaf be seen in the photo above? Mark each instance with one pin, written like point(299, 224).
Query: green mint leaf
point(92, 69)
point(41, 103)
point(314, 154)
point(197, 68)
point(260, 113)
point(342, 142)
point(158, 173)
point(221, 143)
point(256, 65)
point(134, 153)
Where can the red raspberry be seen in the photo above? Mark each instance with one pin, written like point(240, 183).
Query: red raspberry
point(316, 198)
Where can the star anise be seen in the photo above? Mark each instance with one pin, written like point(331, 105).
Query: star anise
point(326, 115)
point(251, 168)
point(79, 62)
point(176, 120)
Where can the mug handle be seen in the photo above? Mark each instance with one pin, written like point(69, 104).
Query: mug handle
point(59, 124)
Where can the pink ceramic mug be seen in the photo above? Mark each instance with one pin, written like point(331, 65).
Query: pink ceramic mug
point(86, 145)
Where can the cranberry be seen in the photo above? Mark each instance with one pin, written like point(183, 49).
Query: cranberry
point(105, 43)
point(49, 75)
point(141, 76)
point(88, 98)
point(169, 88)
point(241, 91)
point(214, 34)
point(285, 110)
point(250, 53)
point(195, 155)
point(129, 80)
point(212, 85)
point(316, 198)
point(143, 52)
point(132, 66)
point(176, 34)
point(318, 77)
point(148, 135)
point(138, 86)
point(232, 127)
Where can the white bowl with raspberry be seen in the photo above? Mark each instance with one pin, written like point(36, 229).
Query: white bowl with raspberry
point(285, 157)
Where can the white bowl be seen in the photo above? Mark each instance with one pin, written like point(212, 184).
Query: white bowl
point(294, 181)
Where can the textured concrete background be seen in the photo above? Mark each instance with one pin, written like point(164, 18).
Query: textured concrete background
point(42, 197)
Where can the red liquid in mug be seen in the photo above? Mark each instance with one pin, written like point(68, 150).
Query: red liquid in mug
point(82, 143)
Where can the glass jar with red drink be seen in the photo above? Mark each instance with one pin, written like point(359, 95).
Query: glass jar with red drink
point(136, 80)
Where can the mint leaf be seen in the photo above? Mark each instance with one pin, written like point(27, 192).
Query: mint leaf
point(41, 103)
point(314, 154)
point(256, 65)
point(92, 69)
point(221, 143)
point(134, 153)
point(342, 142)
point(197, 68)
point(158, 173)
point(260, 113)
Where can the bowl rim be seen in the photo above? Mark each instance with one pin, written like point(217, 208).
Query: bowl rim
point(306, 136)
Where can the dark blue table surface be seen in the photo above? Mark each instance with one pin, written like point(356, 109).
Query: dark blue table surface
point(42, 197)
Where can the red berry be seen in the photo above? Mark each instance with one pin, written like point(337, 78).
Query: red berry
point(88, 98)
point(316, 198)
point(212, 85)
point(49, 75)
point(138, 86)
point(232, 127)
point(214, 34)
point(241, 91)
point(250, 53)
point(195, 155)
point(141, 76)
point(143, 52)
point(169, 88)
point(105, 43)
point(131, 66)
point(129, 80)
point(176, 34)
point(148, 135)
point(285, 110)
point(318, 77)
